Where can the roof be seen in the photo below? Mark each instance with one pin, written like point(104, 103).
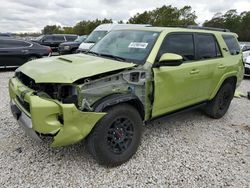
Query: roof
point(180, 29)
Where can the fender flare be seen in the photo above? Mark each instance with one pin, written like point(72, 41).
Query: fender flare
point(115, 99)
point(222, 80)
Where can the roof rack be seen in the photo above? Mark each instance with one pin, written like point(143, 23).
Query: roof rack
point(207, 28)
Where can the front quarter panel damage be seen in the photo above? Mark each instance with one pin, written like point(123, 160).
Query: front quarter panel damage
point(128, 82)
point(77, 125)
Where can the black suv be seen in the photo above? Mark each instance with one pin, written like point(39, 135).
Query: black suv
point(54, 40)
point(71, 47)
point(15, 52)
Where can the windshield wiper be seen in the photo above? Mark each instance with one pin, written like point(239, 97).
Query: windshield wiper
point(89, 41)
point(93, 53)
point(113, 57)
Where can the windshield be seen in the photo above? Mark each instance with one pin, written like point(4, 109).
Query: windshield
point(131, 46)
point(95, 36)
point(81, 39)
point(39, 38)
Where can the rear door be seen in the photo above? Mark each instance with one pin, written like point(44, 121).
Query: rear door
point(209, 62)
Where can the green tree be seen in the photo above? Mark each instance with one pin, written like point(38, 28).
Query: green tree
point(166, 16)
point(52, 29)
point(238, 23)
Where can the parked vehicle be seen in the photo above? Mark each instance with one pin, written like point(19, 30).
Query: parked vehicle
point(101, 31)
point(247, 66)
point(129, 77)
point(71, 47)
point(5, 35)
point(54, 40)
point(246, 57)
point(245, 51)
point(15, 52)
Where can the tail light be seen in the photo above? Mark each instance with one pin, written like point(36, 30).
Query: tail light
point(49, 51)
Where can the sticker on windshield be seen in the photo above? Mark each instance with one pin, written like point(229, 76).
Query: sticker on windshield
point(142, 45)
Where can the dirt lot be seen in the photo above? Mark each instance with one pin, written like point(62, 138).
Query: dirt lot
point(190, 150)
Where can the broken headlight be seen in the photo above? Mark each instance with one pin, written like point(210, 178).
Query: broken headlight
point(68, 94)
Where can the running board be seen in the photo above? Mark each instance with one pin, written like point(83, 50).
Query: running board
point(175, 113)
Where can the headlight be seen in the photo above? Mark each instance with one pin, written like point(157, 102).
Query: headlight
point(66, 47)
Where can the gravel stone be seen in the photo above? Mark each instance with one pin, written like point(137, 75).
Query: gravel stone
point(189, 150)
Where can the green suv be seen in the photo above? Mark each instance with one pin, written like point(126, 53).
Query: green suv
point(127, 79)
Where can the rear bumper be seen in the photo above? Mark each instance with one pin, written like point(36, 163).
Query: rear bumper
point(64, 122)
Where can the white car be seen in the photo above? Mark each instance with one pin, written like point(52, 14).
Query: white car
point(247, 66)
point(101, 31)
point(245, 51)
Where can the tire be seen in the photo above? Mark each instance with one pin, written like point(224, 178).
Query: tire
point(116, 137)
point(218, 106)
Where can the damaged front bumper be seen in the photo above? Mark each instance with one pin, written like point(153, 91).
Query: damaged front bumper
point(38, 115)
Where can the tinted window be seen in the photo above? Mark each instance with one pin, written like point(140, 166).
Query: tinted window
point(70, 38)
point(13, 44)
point(207, 46)
point(181, 44)
point(232, 44)
point(59, 38)
point(48, 38)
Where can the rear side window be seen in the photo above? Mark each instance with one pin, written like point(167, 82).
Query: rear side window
point(232, 44)
point(181, 44)
point(207, 46)
point(59, 38)
point(48, 38)
point(70, 38)
point(13, 44)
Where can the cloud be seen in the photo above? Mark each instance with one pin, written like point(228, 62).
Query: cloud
point(32, 16)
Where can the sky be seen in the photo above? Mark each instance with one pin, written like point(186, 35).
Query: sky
point(33, 15)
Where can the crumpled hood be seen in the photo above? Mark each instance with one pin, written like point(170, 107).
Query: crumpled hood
point(69, 68)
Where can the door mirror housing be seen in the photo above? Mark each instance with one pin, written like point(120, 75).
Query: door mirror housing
point(169, 59)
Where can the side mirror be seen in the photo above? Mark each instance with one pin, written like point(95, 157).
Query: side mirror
point(169, 59)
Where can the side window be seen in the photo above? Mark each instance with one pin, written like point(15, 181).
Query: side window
point(48, 38)
point(70, 38)
point(232, 44)
point(207, 46)
point(248, 48)
point(13, 44)
point(59, 38)
point(181, 44)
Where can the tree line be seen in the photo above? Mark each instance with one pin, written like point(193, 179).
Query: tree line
point(167, 16)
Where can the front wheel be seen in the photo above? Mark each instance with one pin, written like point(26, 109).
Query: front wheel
point(116, 137)
point(218, 106)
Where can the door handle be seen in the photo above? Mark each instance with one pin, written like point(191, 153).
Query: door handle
point(222, 66)
point(195, 71)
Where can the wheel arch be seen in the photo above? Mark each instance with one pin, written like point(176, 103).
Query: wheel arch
point(115, 99)
point(230, 77)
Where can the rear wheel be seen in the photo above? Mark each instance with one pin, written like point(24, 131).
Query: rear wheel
point(217, 107)
point(116, 137)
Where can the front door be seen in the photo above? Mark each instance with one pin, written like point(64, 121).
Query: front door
point(189, 83)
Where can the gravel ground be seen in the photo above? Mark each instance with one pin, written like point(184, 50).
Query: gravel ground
point(190, 150)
